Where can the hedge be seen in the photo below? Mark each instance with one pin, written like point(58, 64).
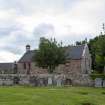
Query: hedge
point(94, 76)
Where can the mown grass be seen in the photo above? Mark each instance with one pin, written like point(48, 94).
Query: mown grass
point(51, 96)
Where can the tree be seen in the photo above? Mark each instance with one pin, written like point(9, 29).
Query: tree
point(81, 42)
point(97, 50)
point(50, 54)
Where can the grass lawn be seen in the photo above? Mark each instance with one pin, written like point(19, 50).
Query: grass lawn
point(51, 96)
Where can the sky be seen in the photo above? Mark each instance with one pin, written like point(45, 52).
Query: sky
point(23, 22)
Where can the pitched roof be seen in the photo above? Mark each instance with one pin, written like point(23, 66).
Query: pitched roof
point(71, 52)
point(74, 52)
point(6, 66)
point(27, 57)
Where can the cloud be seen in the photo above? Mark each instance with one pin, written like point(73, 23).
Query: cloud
point(8, 57)
point(25, 21)
point(6, 30)
point(28, 7)
point(15, 42)
point(44, 29)
point(88, 15)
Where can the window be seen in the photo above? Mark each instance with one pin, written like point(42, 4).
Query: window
point(24, 65)
point(29, 65)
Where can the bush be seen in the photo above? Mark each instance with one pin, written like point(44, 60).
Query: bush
point(94, 76)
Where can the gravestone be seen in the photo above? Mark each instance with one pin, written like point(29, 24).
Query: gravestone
point(1, 82)
point(103, 83)
point(98, 82)
point(59, 82)
point(33, 81)
point(8, 82)
point(41, 82)
point(49, 81)
point(24, 81)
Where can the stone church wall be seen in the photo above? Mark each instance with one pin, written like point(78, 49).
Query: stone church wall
point(33, 69)
point(70, 67)
point(72, 71)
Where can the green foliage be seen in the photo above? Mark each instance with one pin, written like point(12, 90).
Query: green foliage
point(97, 50)
point(94, 76)
point(81, 42)
point(50, 54)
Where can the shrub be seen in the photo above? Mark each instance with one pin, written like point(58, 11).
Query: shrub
point(94, 76)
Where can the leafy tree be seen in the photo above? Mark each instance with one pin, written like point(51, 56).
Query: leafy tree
point(78, 43)
point(81, 42)
point(97, 49)
point(50, 54)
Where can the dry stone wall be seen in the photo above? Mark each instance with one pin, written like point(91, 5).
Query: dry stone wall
point(45, 80)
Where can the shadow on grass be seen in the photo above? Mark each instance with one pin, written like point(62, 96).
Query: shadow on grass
point(84, 103)
point(87, 103)
point(103, 93)
point(83, 93)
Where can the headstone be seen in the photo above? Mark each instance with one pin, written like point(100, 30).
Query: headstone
point(103, 83)
point(59, 82)
point(1, 82)
point(8, 82)
point(98, 82)
point(49, 81)
point(41, 82)
point(24, 81)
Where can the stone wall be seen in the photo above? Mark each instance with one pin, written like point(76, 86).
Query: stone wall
point(72, 72)
point(33, 69)
point(71, 66)
point(6, 71)
point(45, 80)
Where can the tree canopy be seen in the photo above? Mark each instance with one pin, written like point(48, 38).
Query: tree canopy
point(50, 54)
point(97, 50)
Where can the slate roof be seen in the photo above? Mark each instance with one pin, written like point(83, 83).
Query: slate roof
point(74, 52)
point(71, 52)
point(6, 66)
point(27, 57)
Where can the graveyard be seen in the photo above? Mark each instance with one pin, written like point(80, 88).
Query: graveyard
point(24, 95)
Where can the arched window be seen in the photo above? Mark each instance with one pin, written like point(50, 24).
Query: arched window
point(24, 65)
point(29, 65)
point(29, 68)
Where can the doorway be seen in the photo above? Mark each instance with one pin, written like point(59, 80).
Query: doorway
point(68, 82)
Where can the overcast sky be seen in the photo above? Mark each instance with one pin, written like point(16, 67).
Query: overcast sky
point(25, 21)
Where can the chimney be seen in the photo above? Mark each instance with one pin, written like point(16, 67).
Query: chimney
point(27, 48)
